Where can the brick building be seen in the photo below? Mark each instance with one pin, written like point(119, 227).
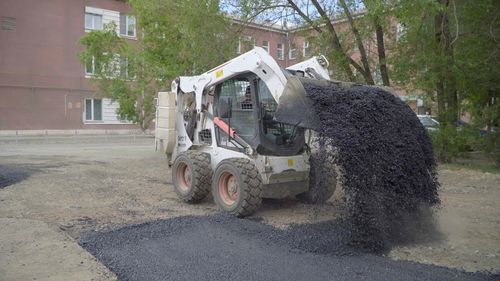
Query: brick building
point(43, 86)
point(42, 83)
point(282, 43)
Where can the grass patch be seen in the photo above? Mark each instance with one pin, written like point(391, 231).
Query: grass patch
point(477, 161)
point(485, 168)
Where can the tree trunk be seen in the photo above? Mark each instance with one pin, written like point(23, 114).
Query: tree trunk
point(384, 72)
point(359, 42)
point(451, 88)
point(446, 90)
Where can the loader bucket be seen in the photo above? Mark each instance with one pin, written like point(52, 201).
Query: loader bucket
point(295, 108)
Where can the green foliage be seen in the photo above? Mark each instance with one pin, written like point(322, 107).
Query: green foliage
point(481, 167)
point(173, 38)
point(470, 70)
point(448, 143)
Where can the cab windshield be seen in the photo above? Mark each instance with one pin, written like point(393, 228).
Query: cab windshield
point(276, 132)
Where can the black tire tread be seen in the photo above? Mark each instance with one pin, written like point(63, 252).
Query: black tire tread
point(252, 189)
point(202, 176)
point(319, 191)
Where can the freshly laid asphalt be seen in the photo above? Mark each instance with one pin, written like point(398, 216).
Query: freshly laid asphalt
point(12, 175)
point(220, 247)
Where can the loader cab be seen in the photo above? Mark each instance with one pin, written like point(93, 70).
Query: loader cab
point(246, 105)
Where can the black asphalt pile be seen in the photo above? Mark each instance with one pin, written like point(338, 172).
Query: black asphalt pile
point(12, 175)
point(222, 247)
point(387, 165)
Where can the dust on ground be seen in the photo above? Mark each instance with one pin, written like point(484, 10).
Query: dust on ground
point(105, 184)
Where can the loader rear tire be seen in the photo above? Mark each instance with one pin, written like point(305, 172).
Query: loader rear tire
point(237, 187)
point(191, 175)
point(322, 185)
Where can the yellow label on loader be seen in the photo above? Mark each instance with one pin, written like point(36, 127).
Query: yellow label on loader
point(290, 162)
point(219, 73)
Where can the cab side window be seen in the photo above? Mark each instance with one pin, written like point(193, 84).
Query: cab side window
point(237, 92)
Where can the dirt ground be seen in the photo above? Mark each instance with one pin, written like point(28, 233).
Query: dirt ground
point(76, 185)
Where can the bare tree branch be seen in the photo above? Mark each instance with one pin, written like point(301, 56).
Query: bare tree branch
point(304, 16)
point(364, 59)
point(381, 50)
point(346, 59)
point(456, 22)
point(491, 27)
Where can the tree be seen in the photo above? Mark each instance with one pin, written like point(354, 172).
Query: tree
point(174, 38)
point(450, 49)
point(476, 43)
point(446, 49)
point(317, 16)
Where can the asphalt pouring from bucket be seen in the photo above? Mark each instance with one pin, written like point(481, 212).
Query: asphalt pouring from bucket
point(387, 165)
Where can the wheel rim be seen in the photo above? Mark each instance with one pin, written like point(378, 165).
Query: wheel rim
point(184, 177)
point(228, 188)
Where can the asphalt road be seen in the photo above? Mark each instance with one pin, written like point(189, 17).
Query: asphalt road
point(219, 247)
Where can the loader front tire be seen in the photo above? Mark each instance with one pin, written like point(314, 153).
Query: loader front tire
point(322, 183)
point(191, 175)
point(237, 187)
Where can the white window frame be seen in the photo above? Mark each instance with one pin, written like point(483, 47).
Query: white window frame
point(250, 39)
point(400, 31)
point(306, 52)
point(292, 52)
point(127, 19)
point(238, 51)
point(280, 52)
point(93, 21)
point(377, 77)
point(266, 45)
point(124, 69)
point(92, 110)
point(90, 73)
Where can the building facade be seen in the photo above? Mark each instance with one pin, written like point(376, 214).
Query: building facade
point(277, 40)
point(43, 85)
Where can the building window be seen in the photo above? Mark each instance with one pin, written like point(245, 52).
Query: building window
point(306, 51)
point(93, 109)
point(400, 31)
point(127, 25)
point(238, 49)
point(377, 77)
point(248, 43)
point(91, 67)
point(265, 45)
point(292, 53)
point(126, 69)
point(280, 54)
point(8, 23)
point(93, 21)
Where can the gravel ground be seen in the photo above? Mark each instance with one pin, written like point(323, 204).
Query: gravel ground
point(224, 248)
point(84, 185)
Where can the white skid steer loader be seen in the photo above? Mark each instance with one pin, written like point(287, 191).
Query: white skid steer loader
point(228, 131)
